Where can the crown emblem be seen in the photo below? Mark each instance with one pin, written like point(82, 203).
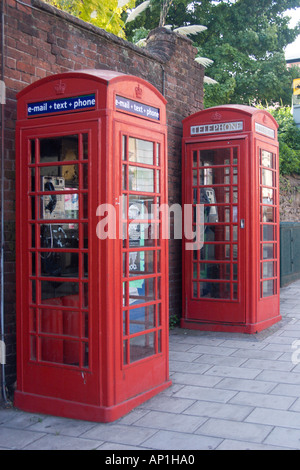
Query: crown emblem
point(139, 92)
point(60, 88)
point(216, 116)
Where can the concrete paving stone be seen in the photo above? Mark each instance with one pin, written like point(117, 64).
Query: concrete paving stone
point(246, 385)
point(172, 404)
point(122, 434)
point(228, 444)
point(195, 379)
point(62, 426)
point(228, 429)
point(289, 438)
point(279, 377)
point(178, 440)
point(214, 350)
point(283, 348)
point(268, 365)
point(234, 372)
point(244, 354)
point(296, 406)
point(219, 410)
point(12, 438)
point(219, 360)
point(184, 356)
point(193, 367)
point(287, 390)
point(170, 421)
point(288, 419)
point(242, 344)
point(283, 340)
point(59, 442)
point(263, 400)
point(206, 394)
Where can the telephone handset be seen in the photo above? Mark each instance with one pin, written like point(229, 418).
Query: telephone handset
point(53, 200)
point(53, 206)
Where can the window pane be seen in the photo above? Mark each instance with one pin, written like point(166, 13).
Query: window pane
point(141, 262)
point(268, 288)
point(141, 291)
point(59, 264)
point(142, 346)
point(59, 236)
point(142, 318)
point(267, 159)
point(215, 271)
point(215, 157)
point(141, 151)
point(58, 149)
point(214, 290)
point(141, 207)
point(141, 179)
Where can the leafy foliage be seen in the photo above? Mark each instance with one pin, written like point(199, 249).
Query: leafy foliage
point(289, 140)
point(106, 14)
point(244, 38)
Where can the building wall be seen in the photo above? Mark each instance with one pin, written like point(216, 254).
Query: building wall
point(39, 41)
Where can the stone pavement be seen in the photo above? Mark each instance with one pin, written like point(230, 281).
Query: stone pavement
point(230, 391)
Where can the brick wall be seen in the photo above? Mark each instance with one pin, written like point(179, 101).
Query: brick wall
point(39, 41)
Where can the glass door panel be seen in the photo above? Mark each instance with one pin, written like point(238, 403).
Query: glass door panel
point(215, 274)
point(58, 200)
point(141, 173)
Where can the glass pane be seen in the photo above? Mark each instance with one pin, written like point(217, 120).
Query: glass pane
point(59, 149)
point(215, 252)
point(268, 251)
point(58, 293)
point(268, 214)
point(142, 234)
point(58, 178)
point(215, 271)
point(60, 351)
point(211, 176)
point(141, 291)
point(141, 179)
point(267, 196)
point(32, 151)
point(141, 151)
point(268, 233)
point(215, 157)
point(142, 318)
point(213, 233)
point(195, 154)
point(267, 177)
point(141, 207)
point(268, 288)
point(268, 270)
point(141, 262)
point(59, 236)
point(267, 159)
point(142, 346)
point(214, 290)
point(59, 264)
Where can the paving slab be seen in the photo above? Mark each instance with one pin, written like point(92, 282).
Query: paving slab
point(230, 392)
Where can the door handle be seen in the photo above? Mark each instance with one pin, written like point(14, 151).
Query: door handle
point(242, 223)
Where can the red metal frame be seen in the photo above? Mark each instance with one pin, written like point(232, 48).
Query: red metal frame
point(70, 350)
point(232, 282)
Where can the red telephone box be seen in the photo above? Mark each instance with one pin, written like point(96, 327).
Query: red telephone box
point(231, 179)
point(92, 267)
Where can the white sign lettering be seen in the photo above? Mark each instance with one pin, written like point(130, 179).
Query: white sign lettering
point(215, 128)
point(265, 130)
